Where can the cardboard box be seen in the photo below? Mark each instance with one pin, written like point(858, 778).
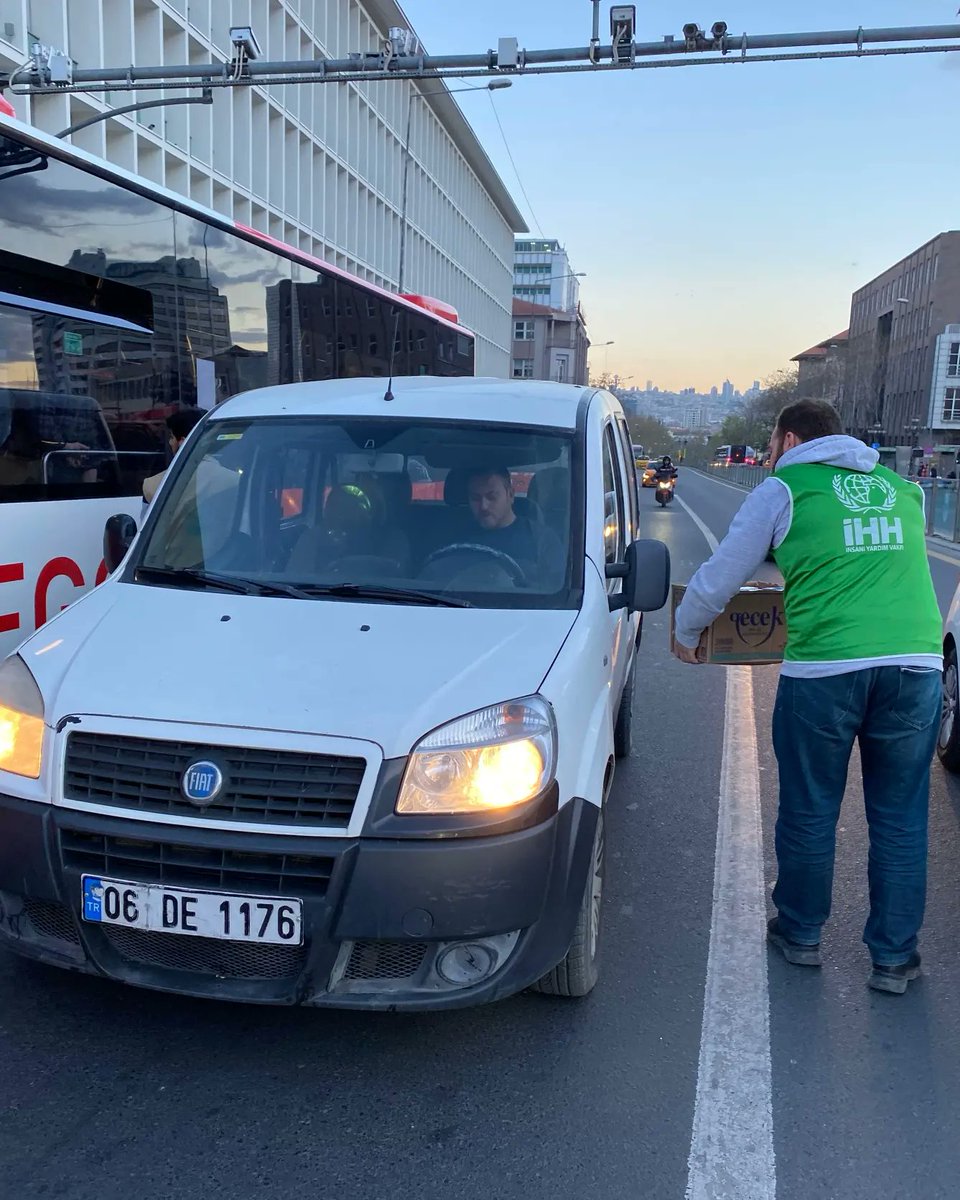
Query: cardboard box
point(751, 631)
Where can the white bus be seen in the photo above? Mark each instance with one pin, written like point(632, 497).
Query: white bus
point(120, 303)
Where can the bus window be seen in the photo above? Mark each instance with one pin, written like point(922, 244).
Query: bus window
point(49, 441)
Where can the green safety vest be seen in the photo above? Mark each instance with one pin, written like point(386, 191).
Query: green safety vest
point(856, 577)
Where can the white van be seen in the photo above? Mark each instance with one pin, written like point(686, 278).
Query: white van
point(340, 726)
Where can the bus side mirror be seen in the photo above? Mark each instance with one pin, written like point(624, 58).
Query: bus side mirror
point(646, 576)
point(118, 535)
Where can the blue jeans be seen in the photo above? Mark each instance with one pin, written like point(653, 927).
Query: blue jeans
point(894, 714)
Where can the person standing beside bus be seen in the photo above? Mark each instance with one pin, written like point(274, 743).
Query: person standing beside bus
point(179, 425)
point(863, 663)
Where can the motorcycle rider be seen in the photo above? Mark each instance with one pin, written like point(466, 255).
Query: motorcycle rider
point(666, 469)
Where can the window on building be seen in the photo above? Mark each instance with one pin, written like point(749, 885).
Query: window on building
point(953, 362)
point(523, 331)
point(523, 368)
point(951, 404)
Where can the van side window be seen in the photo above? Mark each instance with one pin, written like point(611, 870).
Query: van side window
point(613, 510)
point(630, 474)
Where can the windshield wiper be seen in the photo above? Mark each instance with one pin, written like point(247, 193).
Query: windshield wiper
point(229, 583)
point(364, 591)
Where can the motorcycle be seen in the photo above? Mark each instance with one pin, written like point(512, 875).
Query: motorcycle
point(665, 491)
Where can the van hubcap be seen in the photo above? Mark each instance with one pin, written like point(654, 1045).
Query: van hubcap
point(596, 889)
point(948, 712)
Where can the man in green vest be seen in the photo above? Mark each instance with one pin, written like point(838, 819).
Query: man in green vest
point(863, 662)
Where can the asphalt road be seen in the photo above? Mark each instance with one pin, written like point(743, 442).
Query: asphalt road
point(110, 1092)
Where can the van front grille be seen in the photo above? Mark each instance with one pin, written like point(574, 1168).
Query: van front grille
point(262, 787)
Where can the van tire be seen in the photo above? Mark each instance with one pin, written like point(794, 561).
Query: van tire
point(623, 727)
point(579, 971)
point(948, 742)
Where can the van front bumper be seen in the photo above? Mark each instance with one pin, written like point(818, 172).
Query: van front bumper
point(378, 912)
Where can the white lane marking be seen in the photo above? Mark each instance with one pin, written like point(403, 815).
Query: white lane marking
point(731, 1151)
point(711, 540)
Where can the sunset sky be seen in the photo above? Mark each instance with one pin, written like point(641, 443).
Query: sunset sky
point(724, 215)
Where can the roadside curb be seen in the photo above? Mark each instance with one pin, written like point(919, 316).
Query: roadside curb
point(946, 549)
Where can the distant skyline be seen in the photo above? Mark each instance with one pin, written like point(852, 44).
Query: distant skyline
point(723, 215)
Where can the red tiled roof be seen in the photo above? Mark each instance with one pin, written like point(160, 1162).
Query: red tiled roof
point(525, 308)
point(822, 349)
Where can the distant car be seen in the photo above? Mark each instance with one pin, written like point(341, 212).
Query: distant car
point(649, 476)
point(640, 459)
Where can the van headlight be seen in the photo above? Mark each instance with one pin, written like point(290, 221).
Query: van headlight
point(21, 720)
point(496, 758)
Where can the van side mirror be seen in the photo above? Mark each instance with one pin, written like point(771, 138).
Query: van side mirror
point(118, 535)
point(645, 572)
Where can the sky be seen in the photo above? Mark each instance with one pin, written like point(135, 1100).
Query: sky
point(723, 215)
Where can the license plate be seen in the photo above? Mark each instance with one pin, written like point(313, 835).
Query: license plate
point(160, 909)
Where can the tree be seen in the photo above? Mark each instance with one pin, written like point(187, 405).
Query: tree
point(698, 451)
point(649, 433)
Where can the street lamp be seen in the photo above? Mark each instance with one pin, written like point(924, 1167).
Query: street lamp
point(494, 86)
point(606, 357)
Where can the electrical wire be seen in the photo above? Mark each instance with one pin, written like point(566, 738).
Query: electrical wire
point(506, 146)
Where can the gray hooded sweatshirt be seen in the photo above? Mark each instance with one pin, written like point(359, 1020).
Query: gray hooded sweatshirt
point(763, 522)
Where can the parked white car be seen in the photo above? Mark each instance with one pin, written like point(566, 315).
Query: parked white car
point(340, 726)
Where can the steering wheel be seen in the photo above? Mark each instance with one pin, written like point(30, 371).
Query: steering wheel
point(497, 557)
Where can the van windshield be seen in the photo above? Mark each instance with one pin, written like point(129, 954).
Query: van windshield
point(454, 509)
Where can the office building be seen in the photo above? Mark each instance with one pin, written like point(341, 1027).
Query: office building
point(549, 343)
point(542, 274)
point(901, 378)
point(820, 370)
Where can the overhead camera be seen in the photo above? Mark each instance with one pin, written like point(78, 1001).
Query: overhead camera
point(244, 39)
point(623, 30)
point(719, 30)
point(623, 21)
point(403, 42)
point(692, 33)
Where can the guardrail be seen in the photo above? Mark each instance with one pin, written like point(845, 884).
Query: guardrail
point(745, 477)
point(941, 496)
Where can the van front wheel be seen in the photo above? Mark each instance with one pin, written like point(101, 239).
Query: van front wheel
point(623, 727)
point(577, 974)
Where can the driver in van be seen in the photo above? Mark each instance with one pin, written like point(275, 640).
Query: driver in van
point(533, 546)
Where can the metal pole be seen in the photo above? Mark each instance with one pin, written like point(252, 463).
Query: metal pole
point(206, 98)
point(956, 510)
point(377, 67)
point(375, 76)
point(403, 193)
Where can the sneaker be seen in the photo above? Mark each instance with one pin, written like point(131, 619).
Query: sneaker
point(798, 953)
point(894, 979)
